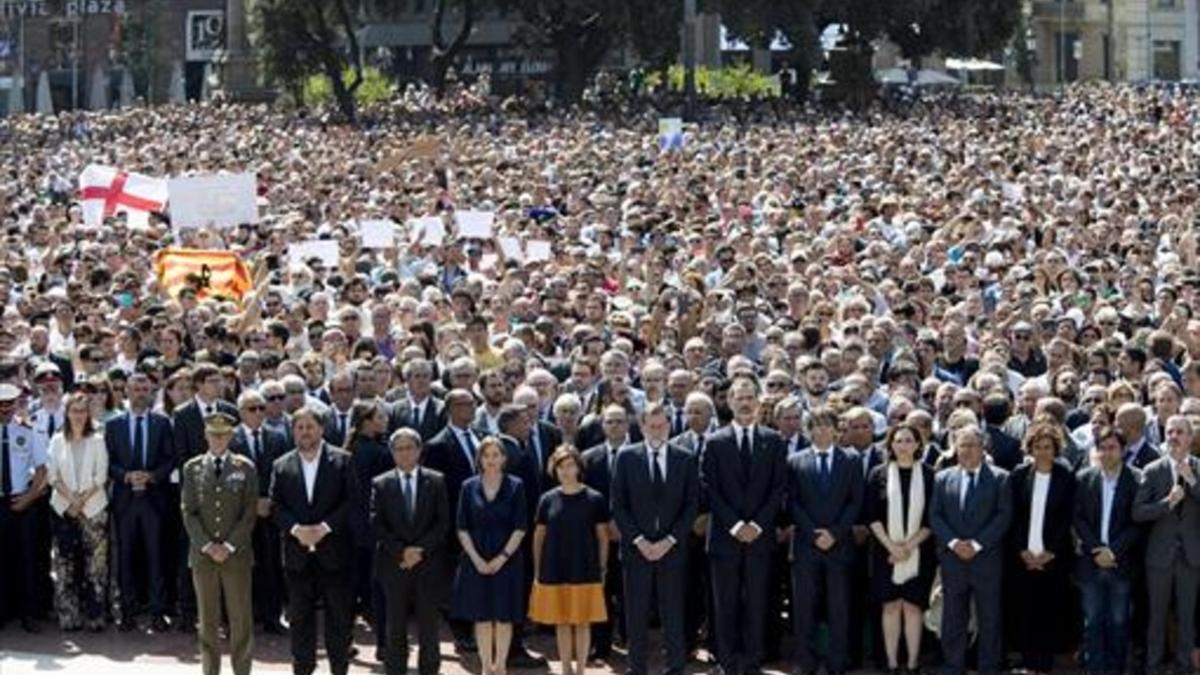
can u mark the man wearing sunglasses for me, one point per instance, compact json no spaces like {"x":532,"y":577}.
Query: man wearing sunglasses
{"x":262,"y":446}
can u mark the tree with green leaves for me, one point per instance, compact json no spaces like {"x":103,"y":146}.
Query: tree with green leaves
{"x":298,"y":39}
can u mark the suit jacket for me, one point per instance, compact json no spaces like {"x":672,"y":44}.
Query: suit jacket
{"x":732,"y":498}
{"x":1123,"y":533}
{"x":432,"y":422}
{"x":875,"y":456}
{"x":642,"y":509}
{"x":836,"y":508}
{"x":1056,"y":522}
{"x":160,"y":456}
{"x":331,"y":434}
{"x":523,"y":465}
{"x":219,"y":510}
{"x":690,"y":441}
{"x":274,"y":447}
{"x":1146,"y":454}
{"x":1168,"y":525}
{"x":335,"y":494}
{"x":1004,"y":448}
{"x":591,"y":431}
{"x":986,"y":519}
{"x":189,"y":429}
{"x":446,"y":455}
{"x":597,"y":473}
{"x":394,"y":529}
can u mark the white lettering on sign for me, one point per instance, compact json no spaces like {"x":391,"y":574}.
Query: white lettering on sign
{"x":75,"y":8}
{"x":18,"y":8}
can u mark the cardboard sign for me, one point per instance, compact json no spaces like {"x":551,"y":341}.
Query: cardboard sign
{"x":537,"y":250}
{"x":377,"y":233}
{"x":326,"y":249}
{"x":670,"y":133}
{"x":421,"y":147}
{"x":430,"y":231}
{"x":475,"y":224}
{"x":213,"y":201}
{"x":511,"y":246}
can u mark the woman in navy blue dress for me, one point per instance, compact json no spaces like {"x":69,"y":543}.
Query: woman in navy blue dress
{"x":489,"y":588}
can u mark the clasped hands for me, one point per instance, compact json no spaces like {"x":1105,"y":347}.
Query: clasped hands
{"x":654,"y":551}
{"x":219,"y":552}
{"x":310,"y":535}
{"x":410,"y":557}
{"x":1036,"y":561}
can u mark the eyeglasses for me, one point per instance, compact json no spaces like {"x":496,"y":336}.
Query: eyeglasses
{"x":254,"y":407}
{"x":275,"y":398}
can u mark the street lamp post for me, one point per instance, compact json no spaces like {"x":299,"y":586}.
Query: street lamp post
{"x":689,"y":59}
{"x":1062,"y":44}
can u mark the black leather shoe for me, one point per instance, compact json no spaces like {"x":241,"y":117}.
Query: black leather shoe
{"x":30,"y":626}
{"x":465,"y":645}
{"x":523,"y":659}
{"x":160,"y":625}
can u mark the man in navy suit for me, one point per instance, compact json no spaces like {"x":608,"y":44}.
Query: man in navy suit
{"x":655,"y":495}
{"x":141,"y":451}
{"x":598,"y":465}
{"x":451,"y":452}
{"x":313,"y":492}
{"x":858,"y":437}
{"x":1108,"y":546}
{"x":419,"y":409}
{"x":970,"y":514}
{"x":262,"y":446}
{"x":1004,"y":448}
{"x":824,"y":495}
{"x":742,"y":473}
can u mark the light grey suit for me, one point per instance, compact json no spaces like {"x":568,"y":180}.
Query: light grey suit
{"x":1172,"y":558}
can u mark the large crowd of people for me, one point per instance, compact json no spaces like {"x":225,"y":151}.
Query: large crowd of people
{"x":889,"y":391}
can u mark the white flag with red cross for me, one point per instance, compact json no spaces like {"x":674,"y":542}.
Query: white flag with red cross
{"x":106,"y":191}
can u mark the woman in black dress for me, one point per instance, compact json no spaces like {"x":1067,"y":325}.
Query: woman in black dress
{"x":489,"y":588}
{"x":367,"y":443}
{"x":570,"y":555}
{"x":899,"y":493}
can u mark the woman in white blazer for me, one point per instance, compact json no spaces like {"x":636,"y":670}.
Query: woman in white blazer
{"x":78,"y":476}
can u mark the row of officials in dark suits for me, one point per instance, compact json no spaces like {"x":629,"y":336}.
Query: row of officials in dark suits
{"x":274,"y":513}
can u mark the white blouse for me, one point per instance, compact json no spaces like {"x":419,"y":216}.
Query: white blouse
{"x":79,"y":469}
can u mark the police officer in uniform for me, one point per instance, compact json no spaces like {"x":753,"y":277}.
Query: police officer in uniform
{"x":22,"y":481}
{"x":220,"y":493}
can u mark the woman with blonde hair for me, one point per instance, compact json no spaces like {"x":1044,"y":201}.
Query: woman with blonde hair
{"x":78,"y":474}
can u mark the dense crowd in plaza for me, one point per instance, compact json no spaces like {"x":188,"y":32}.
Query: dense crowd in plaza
{"x":899,"y":390}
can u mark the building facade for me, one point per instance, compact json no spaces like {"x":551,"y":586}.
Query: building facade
{"x":1125,"y":41}
{"x":85,"y":45}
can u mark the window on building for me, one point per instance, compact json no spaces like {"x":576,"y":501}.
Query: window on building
{"x":1166,"y":60}
{"x":1066,"y":57}
{"x":1166,"y":4}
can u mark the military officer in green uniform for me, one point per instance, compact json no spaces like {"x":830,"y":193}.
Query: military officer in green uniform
{"x":220,"y":493}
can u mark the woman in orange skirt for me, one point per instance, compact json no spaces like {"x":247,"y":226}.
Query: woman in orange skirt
{"x":570,"y":551}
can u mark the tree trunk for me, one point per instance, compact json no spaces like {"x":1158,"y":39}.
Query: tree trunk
{"x":343,"y":95}
{"x":445,"y":54}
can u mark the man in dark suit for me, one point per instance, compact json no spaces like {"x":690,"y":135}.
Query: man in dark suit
{"x":419,"y":409}
{"x":598,"y":466}
{"x":824,"y":494}
{"x":699,"y":413}
{"x":1139,"y":452}
{"x":410,"y":520}
{"x":451,"y":452}
{"x":1107,"y":562}
{"x":313,"y":491}
{"x":261,"y":445}
{"x":141,"y":452}
{"x":743,"y":472}
{"x":858,"y":437}
{"x":341,"y":407}
{"x":1168,"y":500}
{"x":190,"y":442}
{"x":1004,"y":449}
{"x":655,"y":495}
{"x":970,"y":514}
{"x":544,"y":438}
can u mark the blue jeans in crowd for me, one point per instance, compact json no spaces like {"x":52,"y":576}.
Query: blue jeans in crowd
{"x":1106,"y":598}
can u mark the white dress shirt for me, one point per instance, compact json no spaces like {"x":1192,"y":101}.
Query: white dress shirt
{"x":310,"y":473}
{"x":1108,"y":495}
{"x":1037,"y":513}
{"x":409,"y":478}
{"x":737,"y":439}
{"x":659,"y":455}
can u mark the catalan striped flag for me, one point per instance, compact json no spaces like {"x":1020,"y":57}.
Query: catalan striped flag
{"x":211,"y":273}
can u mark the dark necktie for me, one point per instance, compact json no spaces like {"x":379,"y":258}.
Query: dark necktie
{"x":218,"y":462}
{"x":825,"y":470}
{"x":656,"y":474}
{"x":469,"y":444}
{"x":970,"y":490}
{"x":744,"y":452}
{"x":50,"y":426}
{"x":409,"y":508}
{"x":678,"y":426}
{"x":257,"y":445}
{"x":139,"y":443}
{"x":416,"y":416}
{"x":6,"y":482}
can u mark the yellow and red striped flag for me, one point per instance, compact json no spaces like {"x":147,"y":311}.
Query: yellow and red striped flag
{"x":211,"y":273}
